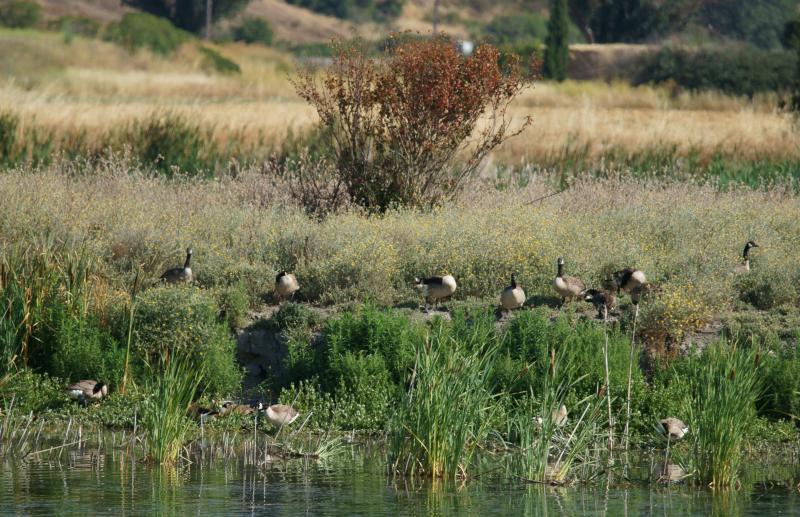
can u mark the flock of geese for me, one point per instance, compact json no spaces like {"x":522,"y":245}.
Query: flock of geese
{"x":435,"y":289}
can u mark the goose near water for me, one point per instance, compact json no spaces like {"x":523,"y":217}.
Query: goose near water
{"x":179,"y":274}
{"x":87,"y":390}
{"x":281,"y":414}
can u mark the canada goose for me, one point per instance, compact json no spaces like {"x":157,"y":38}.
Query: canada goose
{"x":230,"y":407}
{"x":643,"y":291}
{"x":285,"y":286}
{"x":435,"y":288}
{"x":672,"y":428}
{"x":628,"y":279}
{"x":512,"y":297}
{"x":280,"y":414}
{"x":744,"y":267}
{"x":201,"y":413}
{"x":179,"y":274}
{"x":604,"y":301}
{"x":558,"y":416}
{"x":568,"y":287}
{"x":88,"y":390}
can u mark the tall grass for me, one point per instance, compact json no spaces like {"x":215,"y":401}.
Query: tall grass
{"x":166,"y":425}
{"x":549,"y":452}
{"x":445,"y":414}
{"x":724,"y":389}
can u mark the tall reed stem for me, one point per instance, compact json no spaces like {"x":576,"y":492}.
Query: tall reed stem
{"x":131,"y":312}
{"x":608,"y":391}
{"x":630,"y":380}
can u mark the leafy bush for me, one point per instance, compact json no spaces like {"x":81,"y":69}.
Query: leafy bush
{"x":32,"y":392}
{"x":188,"y":15}
{"x":781,"y":384}
{"x":80,"y":25}
{"x":359,"y":9}
{"x":78,"y":349}
{"x":213,"y":60}
{"x":184,"y":319}
{"x":233,"y":304}
{"x":20,"y":14}
{"x":168,"y":142}
{"x":142,"y":30}
{"x":736,"y":71}
{"x":400,"y":122}
{"x":768,"y":289}
{"x":253,"y":30}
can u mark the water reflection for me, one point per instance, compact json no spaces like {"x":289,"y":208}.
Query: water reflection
{"x":93,"y":481}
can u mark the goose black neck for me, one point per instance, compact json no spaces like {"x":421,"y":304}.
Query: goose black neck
{"x":513,"y":281}
{"x":560,"y":269}
{"x":746,"y":251}
{"x":188,"y":259}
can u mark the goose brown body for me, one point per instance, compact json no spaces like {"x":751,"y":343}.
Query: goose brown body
{"x":281,"y":414}
{"x":87,"y":390}
{"x":568,"y":287}
{"x":629,"y":279}
{"x":603,"y":300}
{"x":436,"y":288}
{"x":285,"y":285}
{"x":179,"y":275}
{"x":673,"y":428}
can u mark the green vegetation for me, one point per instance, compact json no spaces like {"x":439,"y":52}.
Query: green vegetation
{"x":736,"y":71}
{"x":556,"y":54}
{"x":165,"y":420}
{"x":215,"y":61}
{"x":189,"y":15}
{"x":354,"y":9}
{"x":142,"y":30}
{"x":253,"y":30}
{"x":20,"y":14}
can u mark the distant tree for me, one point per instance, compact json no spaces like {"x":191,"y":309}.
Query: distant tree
{"x":796,"y":90}
{"x":253,"y":30}
{"x":189,"y":15}
{"x":606,"y":21}
{"x":20,"y":14}
{"x":791,"y":35}
{"x":760,"y":22}
{"x":556,"y":55}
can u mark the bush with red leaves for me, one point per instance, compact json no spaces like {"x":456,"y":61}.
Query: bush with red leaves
{"x":409,"y":127}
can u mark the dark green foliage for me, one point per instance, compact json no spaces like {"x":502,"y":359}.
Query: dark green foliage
{"x":768,"y":291}
{"x":736,"y":71}
{"x":518,"y":29}
{"x":759,"y":22}
{"x":32,"y":392}
{"x":292,"y":315}
{"x":253,"y":30}
{"x":76,"y":349}
{"x":790,"y":39}
{"x":556,"y":55}
{"x":796,"y":85}
{"x":213,"y":60}
{"x":184,"y":320}
{"x":233,"y":304}
{"x":20,"y":14}
{"x":189,"y":15}
{"x":142,"y":30}
{"x":629,"y":20}
{"x":780,"y":373}
{"x":76,"y":25}
{"x":357,"y":9}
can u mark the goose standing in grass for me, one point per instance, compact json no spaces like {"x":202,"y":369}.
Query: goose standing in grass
{"x":671,"y":428}
{"x":285,"y":286}
{"x":558,"y":417}
{"x":629,"y":279}
{"x":87,"y":390}
{"x":568,"y":287}
{"x":744,"y":267}
{"x":281,"y":414}
{"x":604,"y":301}
{"x":179,"y":274}
{"x":512,"y":297}
{"x":435,"y":288}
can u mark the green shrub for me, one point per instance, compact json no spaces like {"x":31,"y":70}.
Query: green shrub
{"x":20,"y":14}
{"x":365,"y":392}
{"x":767,"y":289}
{"x":214,"y":61}
{"x":780,"y":374}
{"x":78,"y":349}
{"x":142,"y":30}
{"x":233,"y":304}
{"x":76,"y":25}
{"x":184,"y":319}
{"x":732,"y":70}
{"x":253,"y":30}
{"x":168,"y":142}
{"x":33,"y":392}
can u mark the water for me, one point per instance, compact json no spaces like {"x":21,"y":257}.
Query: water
{"x":89,"y":482}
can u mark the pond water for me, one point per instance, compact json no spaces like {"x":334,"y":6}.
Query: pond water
{"x":89,"y":482}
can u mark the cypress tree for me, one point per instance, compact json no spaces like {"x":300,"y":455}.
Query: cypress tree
{"x":556,"y":55}
{"x":796,"y":89}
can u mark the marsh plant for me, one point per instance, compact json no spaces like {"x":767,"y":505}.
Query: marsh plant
{"x":173,"y":387}
{"x":553,"y":445}
{"x":724,"y":387}
{"x":445,"y":414}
